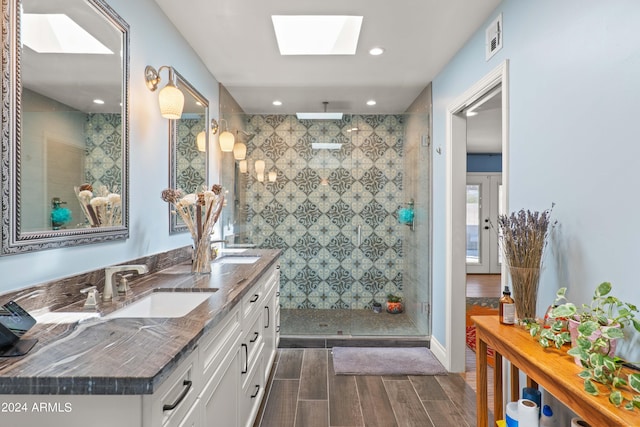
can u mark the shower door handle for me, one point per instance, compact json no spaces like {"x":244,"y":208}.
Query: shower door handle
{"x":359,"y":235}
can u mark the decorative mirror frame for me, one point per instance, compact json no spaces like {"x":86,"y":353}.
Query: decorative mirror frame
{"x":183,"y":84}
{"x":13,"y":240}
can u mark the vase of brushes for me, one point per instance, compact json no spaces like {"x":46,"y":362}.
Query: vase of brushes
{"x":201,"y":260}
{"x":200,"y":212}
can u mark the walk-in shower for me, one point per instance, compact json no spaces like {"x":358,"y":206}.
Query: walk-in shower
{"x":328,"y":197}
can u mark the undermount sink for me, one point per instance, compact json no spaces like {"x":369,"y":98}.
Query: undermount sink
{"x":162,"y":304}
{"x":237,"y":259}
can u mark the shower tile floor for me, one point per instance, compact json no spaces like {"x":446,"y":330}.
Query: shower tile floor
{"x":294,"y":322}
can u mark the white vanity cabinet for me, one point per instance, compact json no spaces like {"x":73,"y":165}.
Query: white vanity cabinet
{"x":238,"y":355}
{"x":221,"y":382}
{"x":220,"y":352}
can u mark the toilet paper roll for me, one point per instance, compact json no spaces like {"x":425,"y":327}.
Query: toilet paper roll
{"x":533,"y":394}
{"x":512,"y":414}
{"x":578,"y":422}
{"x":527,"y":413}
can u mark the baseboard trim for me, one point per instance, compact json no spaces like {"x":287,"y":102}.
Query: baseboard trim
{"x":440,"y":352}
{"x":330,"y":342}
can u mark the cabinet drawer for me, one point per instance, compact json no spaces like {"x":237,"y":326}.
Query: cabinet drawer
{"x":253,"y":392}
{"x":252,"y":301}
{"x":254,"y":336}
{"x":218,"y":342}
{"x":177,"y":394}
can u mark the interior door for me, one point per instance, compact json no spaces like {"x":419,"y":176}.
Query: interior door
{"x":483,"y":206}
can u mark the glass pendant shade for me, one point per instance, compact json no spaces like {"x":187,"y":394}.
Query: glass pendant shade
{"x":273,"y":175}
{"x":260,"y":167}
{"x":239,"y":151}
{"x":201,"y":141}
{"x":171,"y":101}
{"x":243,"y":166}
{"x":260,"y":177}
{"x":226,"y":141}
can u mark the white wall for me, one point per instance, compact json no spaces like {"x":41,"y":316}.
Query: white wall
{"x":574,"y":98}
{"x":154,"y":41}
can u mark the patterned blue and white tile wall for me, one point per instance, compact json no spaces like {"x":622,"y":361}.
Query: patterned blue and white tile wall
{"x":319,"y":201}
{"x":103,"y":162}
{"x":191,"y":163}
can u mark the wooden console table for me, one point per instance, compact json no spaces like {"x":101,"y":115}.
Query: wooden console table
{"x":552,"y":369}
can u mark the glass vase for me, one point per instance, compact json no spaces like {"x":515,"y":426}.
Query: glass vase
{"x":201,"y":262}
{"x":524,"y":281}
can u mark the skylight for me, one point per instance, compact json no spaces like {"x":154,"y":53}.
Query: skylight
{"x":319,"y":116}
{"x":317,"y":34}
{"x":57,"y":33}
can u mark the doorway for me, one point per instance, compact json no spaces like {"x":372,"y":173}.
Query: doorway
{"x":456,"y":179}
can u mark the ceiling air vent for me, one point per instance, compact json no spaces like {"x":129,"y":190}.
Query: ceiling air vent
{"x":493,"y":40}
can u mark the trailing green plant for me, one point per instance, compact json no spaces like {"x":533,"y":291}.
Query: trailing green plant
{"x":393,"y":298}
{"x":600,"y":323}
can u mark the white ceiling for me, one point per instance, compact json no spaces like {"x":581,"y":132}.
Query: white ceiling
{"x":484,"y":131}
{"x":236,"y":41}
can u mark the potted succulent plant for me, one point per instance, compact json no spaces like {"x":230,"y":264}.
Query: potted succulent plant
{"x":595,"y":327}
{"x":394,"y":304}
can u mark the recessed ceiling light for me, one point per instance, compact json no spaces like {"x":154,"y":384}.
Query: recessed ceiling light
{"x":98,"y":101}
{"x":376,"y":51}
{"x":57,"y":33}
{"x":371,"y":102}
{"x":317,"y":34}
{"x":277,"y":103}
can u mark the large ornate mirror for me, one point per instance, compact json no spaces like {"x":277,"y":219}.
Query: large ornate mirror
{"x":188,"y":147}
{"x":65,"y":75}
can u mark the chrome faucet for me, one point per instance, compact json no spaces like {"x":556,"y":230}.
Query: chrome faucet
{"x":214,"y":250}
{"x":108,"y":292}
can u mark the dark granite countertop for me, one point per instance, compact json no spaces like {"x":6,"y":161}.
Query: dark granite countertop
{"x":97,"y":355}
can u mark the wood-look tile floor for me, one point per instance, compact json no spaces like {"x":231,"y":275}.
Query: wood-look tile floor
{"x":305,"y":392}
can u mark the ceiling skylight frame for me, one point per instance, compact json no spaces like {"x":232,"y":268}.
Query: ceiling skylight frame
{"x":58,"y":33}
{"x":317,"y":34}
{"x":319,"y":116}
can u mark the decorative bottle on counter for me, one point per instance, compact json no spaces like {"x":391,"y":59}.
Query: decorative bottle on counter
{"x":59,"y":215}
{"x":507,"y":309}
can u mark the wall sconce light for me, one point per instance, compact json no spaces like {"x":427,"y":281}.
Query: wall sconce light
{"x":170,"y":98}
{"x":273,"y":175}
{"x":243,"y":166}
{"x":201,"y":141}
{"x":226,"y":139}
{"x":214,"y":126}
{"x":259,"y":165}
{"x":239,"y":151}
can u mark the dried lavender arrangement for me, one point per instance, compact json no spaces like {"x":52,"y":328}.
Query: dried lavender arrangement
{"x":523,"y":238}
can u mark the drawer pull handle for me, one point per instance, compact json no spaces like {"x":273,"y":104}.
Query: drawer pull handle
{"x":278,"y":328}
{"x":180,"y":398}
{"x":255,"y":298}
{"x":268,"y":317}
{"x":253,"y":396}
{"x":246,"y":359}
{"x":255,"y":337}
{"x":278,"y":294}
